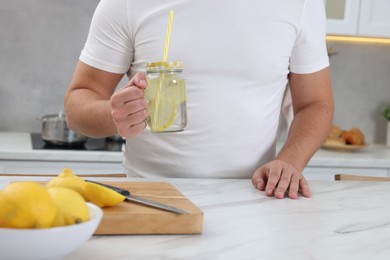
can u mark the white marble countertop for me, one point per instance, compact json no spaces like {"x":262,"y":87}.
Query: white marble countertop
{"x":343,"y":220}
{"x":17,"y":146}
{"x":373,"y":156}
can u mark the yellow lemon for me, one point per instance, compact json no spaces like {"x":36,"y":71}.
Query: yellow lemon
{"x":102,"y":196}
{"x":161,"y":114}
{"x":176,"y":91}
{"x":167,"y":87}
{"x":67,"y":179}
{"x":26,"y":205}
{"x":9,"y":212}
{"x":71,"y":206}
{"x":164,"y":95}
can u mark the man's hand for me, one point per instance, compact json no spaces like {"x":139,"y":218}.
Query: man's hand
{"x":278,"y":178}
{"x":313,"y":107}
{"x":128,"y":107}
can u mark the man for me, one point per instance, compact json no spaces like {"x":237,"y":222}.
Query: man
{"x":238,"y":58}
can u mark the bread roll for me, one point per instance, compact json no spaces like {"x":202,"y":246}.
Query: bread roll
{"x":353,"y":136}
{"x":335,"y":141}
{"x":335,"y":132}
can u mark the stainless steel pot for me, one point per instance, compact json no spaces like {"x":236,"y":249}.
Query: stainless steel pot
{"x":55,"y":131}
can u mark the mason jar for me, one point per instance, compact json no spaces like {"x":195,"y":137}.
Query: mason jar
{"x":166,"y":95}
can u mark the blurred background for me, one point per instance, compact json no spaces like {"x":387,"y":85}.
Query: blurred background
{"x":40,"y":42}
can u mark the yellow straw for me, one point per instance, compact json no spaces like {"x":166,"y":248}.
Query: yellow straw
{"x":166,"y":47}
{"x":165,"y":59}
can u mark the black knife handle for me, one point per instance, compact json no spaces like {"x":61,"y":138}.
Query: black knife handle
{"x":119,"y":190}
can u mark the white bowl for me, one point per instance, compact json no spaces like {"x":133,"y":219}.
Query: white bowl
{"x":48,"y":243}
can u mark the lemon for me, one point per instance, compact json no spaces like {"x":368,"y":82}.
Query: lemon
{"x":164,"y":95}
{"x":169,"y":88}
{"x":26,"y":205}
{"x":10,"y":212}
{"x":96,"y":194}
{"x":67,"y":179}
{"x":102,"y":196}
{"x":71,"y":206}
{"x":151,"y":91}
{"x":163,"y":117}
{"x":176,"y":91}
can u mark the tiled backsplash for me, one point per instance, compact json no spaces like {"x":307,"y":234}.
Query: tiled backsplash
{"x":40,"y":42}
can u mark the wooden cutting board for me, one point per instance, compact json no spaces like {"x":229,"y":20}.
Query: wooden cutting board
{"x":132,"y":218}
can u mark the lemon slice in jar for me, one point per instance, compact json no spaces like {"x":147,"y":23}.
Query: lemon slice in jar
{"x":176,"y":90}
{"x":160,"y":119}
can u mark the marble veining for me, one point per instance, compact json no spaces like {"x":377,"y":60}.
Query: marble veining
{"x":343,"y":220}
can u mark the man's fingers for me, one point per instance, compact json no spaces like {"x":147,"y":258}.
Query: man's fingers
{"x":259,"y":179}
{"x":304,"y":188}
{"x":133,"y":129}
{"x":138,"y":80}
{"x":132,"y":125}
{"x":128,"y":112}
{"x":126,"y":109}
{"x":294,"y":187}
{"x":124,"y":120}
{"x":273,"y":179}
{"x":126,"y":95}
{"x":283,"y":184}
{"x":279,"y":179}
{"x":259,"y":182}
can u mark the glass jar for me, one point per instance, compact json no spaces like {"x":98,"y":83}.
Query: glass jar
{"x":166,"y":95}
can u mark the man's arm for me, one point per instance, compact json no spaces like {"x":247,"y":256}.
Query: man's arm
{"x":94,"y":110}
{"x":313,"y":113}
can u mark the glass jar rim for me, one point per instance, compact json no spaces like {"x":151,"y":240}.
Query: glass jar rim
{"x":164,"y":65}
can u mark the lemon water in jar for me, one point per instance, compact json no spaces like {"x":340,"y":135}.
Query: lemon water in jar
{"x":166,"y":95}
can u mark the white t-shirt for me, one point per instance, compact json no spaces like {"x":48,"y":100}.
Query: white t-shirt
{"x":236,"y":57}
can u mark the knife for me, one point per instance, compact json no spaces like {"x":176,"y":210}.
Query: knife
{"x":141,"y":200}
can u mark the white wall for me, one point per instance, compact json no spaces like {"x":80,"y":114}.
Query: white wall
{"x":361,"y":84}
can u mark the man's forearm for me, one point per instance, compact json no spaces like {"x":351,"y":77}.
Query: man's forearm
{"x":307,"y":132}
{"x":88,"y":114}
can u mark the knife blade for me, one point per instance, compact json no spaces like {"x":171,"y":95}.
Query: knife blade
{"x":141,"y":200}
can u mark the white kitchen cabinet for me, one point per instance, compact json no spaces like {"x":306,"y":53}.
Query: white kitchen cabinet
{"x":374,"y":18}
{"x":50,"y":167}
{"x":328,"y":173}
{"x":358,"y":17}
{"x":342,"y":16}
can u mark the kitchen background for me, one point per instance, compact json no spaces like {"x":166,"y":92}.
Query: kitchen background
{"x":40,"y":42}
